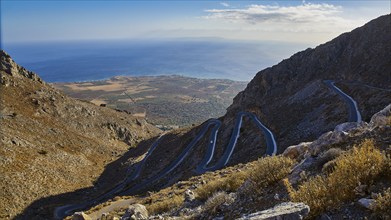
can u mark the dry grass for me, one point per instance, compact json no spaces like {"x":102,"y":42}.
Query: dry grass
{"x":213,"y":204}
{"x":264,"y":172}
{"x":382,"y":206}
{"x":227,"y":184}
{"x":165,"y":205}
{"x":359,"y":166}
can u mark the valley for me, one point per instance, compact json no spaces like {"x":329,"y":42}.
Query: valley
{"x":165,"y":101}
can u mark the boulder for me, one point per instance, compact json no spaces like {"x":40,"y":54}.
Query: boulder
{"x":80,"y":216}
{"x":381,"y":118}
{"x":296,"y":151}
{"x":135,"y":212}
{"x":283,"y":211}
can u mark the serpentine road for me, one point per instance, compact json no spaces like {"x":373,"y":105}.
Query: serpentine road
{"x":354,"y":113}
{"x":271,"y":149}
{"x":63,"y":211}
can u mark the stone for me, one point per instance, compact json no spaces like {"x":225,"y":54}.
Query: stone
{"x":296,"y":151}
{"x":297,"y":171}
{"x":80,"y":216}
{"x":381,"y":118}
{"x":189,"y":196}
{"x":367,"y":203}
{"x":136,"y":212}
{"x":283,"y":211}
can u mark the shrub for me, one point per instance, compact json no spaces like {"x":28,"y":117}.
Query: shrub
{"x":165,"y":205}
{"x":268,"y":171}
{"x":361,"y":165}
{"x":382,"y":206}
{"x":213,"y":204}
{"x":228,"y":184}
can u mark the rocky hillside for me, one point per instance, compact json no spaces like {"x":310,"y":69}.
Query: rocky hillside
{"x":344,"y":174}
{"x":52,"y":144}
{"x":293,"y":101}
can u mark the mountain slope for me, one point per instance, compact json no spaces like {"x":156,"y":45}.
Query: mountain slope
{"x":292,"y":98}
{"x":293,"y":101}
{"x":52,"y":144}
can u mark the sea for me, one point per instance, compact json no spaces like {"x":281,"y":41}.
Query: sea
{"x":76,"y":61}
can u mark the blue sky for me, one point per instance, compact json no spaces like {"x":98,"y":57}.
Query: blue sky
{"x":310,"y":22}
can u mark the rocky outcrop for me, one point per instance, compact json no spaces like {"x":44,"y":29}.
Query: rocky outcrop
{"x":297,"y":151}
{"x":9,"y":66}
{"x":381,"y":118}
{"x":283,"y":211}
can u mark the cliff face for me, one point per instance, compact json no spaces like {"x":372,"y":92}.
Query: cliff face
{"x":52,"y":144}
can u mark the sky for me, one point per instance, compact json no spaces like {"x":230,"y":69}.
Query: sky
{"x":295,"y":21}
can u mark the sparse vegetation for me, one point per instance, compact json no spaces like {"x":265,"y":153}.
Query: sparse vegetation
{"x":266,"y":171}
{"x":213,"y":204}
{"x":227,"y":184}
{"x":382,"y":206}
{"x":165,"y":205}
{"x":361,"y":165}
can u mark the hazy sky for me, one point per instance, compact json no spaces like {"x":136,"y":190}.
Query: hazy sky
{"x":310,"y":22}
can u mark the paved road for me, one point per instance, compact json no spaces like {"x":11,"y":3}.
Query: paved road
{"x":66,"y":210}
{"x":354,"y":113}
{"x":270,"y":143}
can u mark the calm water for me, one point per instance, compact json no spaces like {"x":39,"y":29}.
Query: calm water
{"x":94,"y":60}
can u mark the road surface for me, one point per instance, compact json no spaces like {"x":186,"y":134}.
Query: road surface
{"x":63,"y":211}
{"x":354,"y":113}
